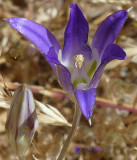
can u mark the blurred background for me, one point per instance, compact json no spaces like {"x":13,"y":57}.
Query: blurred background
{"x":21,"y":62}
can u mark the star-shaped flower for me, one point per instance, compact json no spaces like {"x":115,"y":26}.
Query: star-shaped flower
{"x":77,"y":66}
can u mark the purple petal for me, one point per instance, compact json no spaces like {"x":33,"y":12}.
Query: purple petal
{"x":52,"y":56}
{"x":61,"y":71}
{"x":52,"y":59}
{"x":76,"y":36}
{"x":86,"y":101}
{"x":64,"y":78}
{"x":36,"y":33}
{"x":112,"y":52}
{"x":108,"y":30}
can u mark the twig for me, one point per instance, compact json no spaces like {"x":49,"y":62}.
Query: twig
{"x":111,"y":104}
{"x":58,"y":93}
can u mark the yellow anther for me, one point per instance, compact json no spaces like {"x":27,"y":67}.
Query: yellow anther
{"x":79,"y":60}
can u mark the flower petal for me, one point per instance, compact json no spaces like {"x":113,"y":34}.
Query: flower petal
{"x":76,"y":36}
{"x":62,"y":73}
{"x":86,"y":101}
{"x":52,"y":59}
{"x":108,"y":30}
{"x":112,"y":52}
{"x":52,"y":56}
{"x":36,"y":33}
{"x":22,"y":120}
{"x":64,"y":78}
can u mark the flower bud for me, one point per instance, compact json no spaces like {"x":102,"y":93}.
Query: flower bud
{"x":22,"y":120}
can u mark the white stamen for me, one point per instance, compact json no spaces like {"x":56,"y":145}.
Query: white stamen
{"x":128,"y":10}
{"x":79,"y":60}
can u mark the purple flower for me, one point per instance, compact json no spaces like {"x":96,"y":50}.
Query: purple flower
{"x":78,"y":66}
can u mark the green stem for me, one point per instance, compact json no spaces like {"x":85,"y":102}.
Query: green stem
{"x":71,"y":133}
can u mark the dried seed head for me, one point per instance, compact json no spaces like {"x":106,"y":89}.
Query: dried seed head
{"x":22,"y":120}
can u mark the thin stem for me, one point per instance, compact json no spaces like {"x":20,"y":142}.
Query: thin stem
{"x":76,"y":119}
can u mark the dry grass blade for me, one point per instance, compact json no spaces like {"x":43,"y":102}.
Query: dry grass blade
{"x":50,"y":115}
{"x":134,"y":59}
{"x":4,"y":104}
{"x":6,"y":92}
{"x":5,"y":95}
{"x":4,"y":99}
{"x":47,"y":120}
